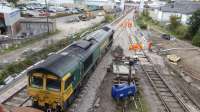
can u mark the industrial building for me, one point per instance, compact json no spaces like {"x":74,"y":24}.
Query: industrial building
{"x":9,"y":20}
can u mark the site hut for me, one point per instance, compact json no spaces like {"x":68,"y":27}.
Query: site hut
{"x":9,"y":20}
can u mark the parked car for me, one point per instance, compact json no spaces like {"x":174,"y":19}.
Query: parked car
{"x":52,"y":10}
{"x":23,"y":10}
{"x":57,"y":9}
{"x":28,"y":14}
{"x":30,"y":7}
{"x":44,"y":14}
{"x":68,"y":11}
{"x":60,"y":9}
{"x":79,"y":10}
{"x":73,"y":10}
{"x":165,"y":36}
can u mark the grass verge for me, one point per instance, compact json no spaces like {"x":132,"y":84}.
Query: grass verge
{"x":27,"y":42}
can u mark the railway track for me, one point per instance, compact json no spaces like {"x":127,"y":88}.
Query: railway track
{"x":172,"y":100}
{"x":18,"y":99}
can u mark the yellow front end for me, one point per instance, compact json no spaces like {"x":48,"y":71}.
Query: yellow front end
{"x":45,"y":90}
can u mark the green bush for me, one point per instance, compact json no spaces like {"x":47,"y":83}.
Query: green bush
{"x":141,"y":24}
{"x":194,"y":24}
{"x":181,"y":31}
{"x":174,"y":23}
{"x":109,"y":18}
{"x":196,"y":39}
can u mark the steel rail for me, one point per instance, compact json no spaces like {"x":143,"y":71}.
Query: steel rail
{"x":167,"y":107}
{"x":12,"y":97}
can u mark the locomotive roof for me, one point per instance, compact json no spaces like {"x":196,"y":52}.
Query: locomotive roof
{"x":60,"y":64}
{"x":100,"y":35}
{"x":57,"y":64}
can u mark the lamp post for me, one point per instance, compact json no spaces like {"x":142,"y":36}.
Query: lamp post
{"x":47,"y":15}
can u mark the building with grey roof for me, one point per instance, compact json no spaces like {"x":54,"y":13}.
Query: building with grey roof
{"x":9,"y":20}
{"x":183,"y":9}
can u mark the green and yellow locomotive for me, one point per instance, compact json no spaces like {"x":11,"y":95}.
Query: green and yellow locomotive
{"x":54,"y":83}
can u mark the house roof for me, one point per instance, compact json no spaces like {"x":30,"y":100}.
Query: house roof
{"x":184,"y":7}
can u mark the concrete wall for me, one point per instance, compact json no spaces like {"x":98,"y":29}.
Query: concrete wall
{"x":37,"y":27}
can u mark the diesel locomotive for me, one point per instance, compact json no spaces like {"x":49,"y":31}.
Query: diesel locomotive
{"x":54,"y":83}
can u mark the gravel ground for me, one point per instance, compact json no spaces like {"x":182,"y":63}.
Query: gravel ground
{"x":106,"y":102}
{"x":186,"y":72}
{"x":190,"y":61}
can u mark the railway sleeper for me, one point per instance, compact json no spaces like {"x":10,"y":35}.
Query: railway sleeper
{"x":153,"y":74}
{"x":163,"y":90}
{"x":161,"y":109}
{"x":177,"y":110}
{"x":12,"y":104}
{"x":166,"y":94}
{"x":160,"y":86}
{"x":156,"y":79}
{"x":18,"y":99}
{"x":160,"y":82}
{"x":174,"y":105}
{"x":169,"y":99}
{"x":22,"y":94}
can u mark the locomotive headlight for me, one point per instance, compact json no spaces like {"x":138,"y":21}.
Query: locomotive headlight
{"x":35,"y":98}
{"x":58,"y":104}
{"x":58,"y":107}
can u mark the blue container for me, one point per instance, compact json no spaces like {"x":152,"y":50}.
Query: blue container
{"x":121,"y":91}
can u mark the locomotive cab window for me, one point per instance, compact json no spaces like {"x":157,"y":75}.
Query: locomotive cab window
{"x":53,"y":84}
{"x":36,"y":81}
{"x":68,"y":82}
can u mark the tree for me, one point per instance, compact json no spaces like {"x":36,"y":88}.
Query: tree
{"x":194,"y":24}
{"x":13,"y":1}
{"x":174,"y":22}
{"x":145,"y":13}
{"x":196,"y":39}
